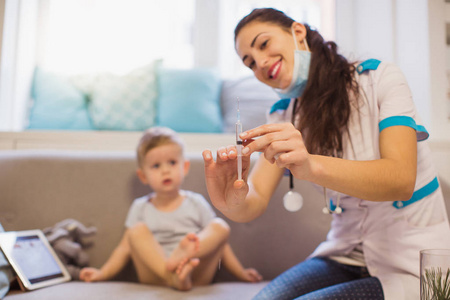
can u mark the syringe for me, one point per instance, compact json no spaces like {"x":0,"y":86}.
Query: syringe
{"x":239,"y":142}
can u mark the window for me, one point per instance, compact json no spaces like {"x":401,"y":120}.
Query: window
{"x":115,"y":35}
{"x":86,"y":36}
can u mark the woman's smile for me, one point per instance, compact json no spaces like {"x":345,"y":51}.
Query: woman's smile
{"x":275,"y":70}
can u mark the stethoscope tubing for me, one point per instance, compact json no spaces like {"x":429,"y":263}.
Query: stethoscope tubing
{"x":326,"y":209}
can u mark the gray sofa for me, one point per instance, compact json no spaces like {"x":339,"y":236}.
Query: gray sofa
{"x":42,"y":187}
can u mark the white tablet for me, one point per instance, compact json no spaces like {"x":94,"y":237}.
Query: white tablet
{"x":33,"y":259}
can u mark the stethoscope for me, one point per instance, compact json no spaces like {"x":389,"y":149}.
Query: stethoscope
{"x":293,"y":201}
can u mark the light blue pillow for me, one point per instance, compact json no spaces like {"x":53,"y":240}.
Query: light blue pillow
{"x":57,"y":104}
{"x":189,"y":100}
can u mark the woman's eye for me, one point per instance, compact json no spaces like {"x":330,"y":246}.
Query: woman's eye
{"x":251,"y":65}
{"x":263,"y":45}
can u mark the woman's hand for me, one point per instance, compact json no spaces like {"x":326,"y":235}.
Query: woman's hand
{"x":227,"y":193}
{"x":281,"y":144}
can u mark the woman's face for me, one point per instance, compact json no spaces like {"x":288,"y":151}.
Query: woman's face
{"x":268,"y":51}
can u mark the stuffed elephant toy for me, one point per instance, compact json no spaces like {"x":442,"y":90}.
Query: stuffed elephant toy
{"x":67,"y":239}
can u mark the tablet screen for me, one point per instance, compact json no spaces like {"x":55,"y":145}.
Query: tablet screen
{"x":34,"y":259}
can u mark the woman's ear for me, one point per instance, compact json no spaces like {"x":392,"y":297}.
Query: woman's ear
{"x":141,"y":176}
{"x":300,"y":33}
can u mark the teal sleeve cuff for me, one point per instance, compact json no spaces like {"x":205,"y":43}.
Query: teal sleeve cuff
{"x":421,"y":193}
{"x":422,"y":133}
{"x":280,"y":105}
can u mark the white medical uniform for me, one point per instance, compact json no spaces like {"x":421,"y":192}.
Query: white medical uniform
{"x":391,"y":233}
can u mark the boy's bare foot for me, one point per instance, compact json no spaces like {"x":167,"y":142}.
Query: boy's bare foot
{"x":186,"y":249}
{"x":182,"y":280}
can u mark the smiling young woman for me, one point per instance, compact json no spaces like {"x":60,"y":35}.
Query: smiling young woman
{"x":347,"y":127}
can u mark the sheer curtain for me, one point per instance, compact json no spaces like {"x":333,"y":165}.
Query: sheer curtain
{"x":17,"y":61}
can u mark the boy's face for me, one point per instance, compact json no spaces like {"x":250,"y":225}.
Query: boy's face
{"x":164,"y":168}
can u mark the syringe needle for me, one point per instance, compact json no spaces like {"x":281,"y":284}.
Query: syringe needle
{"x":239,"y":142}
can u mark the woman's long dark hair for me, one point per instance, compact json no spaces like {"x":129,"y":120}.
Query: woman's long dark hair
{"x":325,"y":105}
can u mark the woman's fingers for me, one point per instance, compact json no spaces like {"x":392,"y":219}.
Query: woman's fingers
{"x":259,"y":144}
{"x":232,"y":152}
{"x":273,"y":152}
{"x":226,"y":164}
{"x":207,"y":157}
{"x":247,"y":141}
{"x":262,"y":130}
{"x":270,"y":136}
{"x":222,"y":154}
{"x":226,"y":153}
{"x":280,"y":143}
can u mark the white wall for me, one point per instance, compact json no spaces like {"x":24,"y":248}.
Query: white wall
{"x":438,"y":14}
{"x":364,"y":29}
{"x":206,"y":38}
{"x":413,"y":53}
{"x":410,"y":33}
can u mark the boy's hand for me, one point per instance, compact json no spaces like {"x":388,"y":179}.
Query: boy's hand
{"x":91,"y":274}
{"x":251,"y":275}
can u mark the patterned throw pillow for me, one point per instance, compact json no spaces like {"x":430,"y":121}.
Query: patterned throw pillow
{"x":125,"y":102}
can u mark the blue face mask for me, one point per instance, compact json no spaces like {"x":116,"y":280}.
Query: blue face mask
{"x":302,"y":60}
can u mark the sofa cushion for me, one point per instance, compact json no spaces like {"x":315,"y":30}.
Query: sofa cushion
{"x":189,"y":100}
{"x":76,"y":290}
{"x":255,"y":99}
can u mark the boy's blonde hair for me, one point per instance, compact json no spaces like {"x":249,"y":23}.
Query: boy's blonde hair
{"x":155,"y":137}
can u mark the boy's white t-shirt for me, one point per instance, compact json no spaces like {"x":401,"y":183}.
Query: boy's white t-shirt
{"x":169,"y":228}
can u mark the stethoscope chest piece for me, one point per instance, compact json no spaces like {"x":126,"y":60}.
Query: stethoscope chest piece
{"x":292,"y":201}
{"x":328,"y":209}
{"x":337,"y":210}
